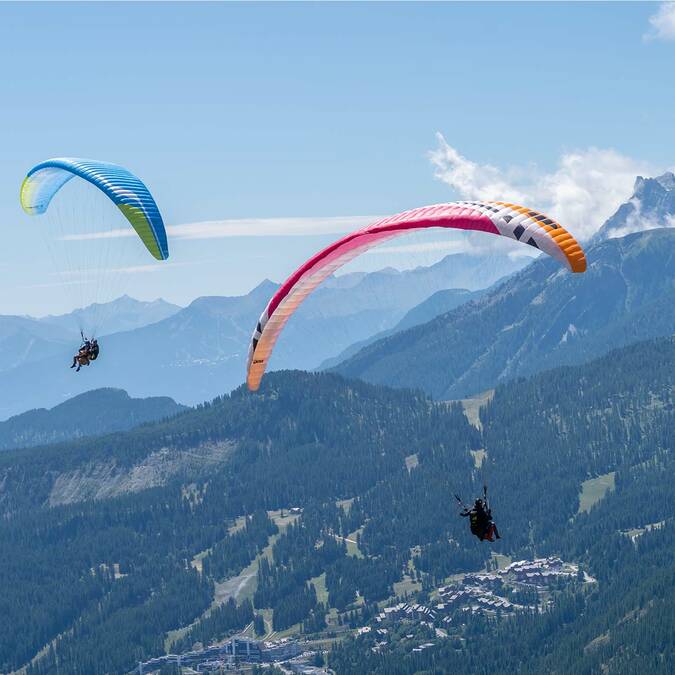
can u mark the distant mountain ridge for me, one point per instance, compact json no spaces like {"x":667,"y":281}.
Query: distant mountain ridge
{"x":439,"y":303}
{"x":540,"y":318}
{"x":94,"y":413}
{"x":200,"y":351}
{"x":123,"y":313}
{"x":24,"y":339}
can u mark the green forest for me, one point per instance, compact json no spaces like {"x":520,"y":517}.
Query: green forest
{"x":99,"y":584}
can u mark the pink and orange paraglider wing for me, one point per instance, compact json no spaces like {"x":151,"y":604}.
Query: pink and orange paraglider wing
{"x":500,"y":218}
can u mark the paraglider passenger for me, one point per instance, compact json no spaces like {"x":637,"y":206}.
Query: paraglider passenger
{"x":480,"y":520}
{"x":87,"y":353}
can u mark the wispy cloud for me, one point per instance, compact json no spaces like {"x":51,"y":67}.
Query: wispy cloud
{"x":90,"y":273}
{"x":107,"y":234}
{"x":581,"y":193}
{"x":662,"y":23}
{"x":246,"y":227}
{"x":57,"y":284}
{"x":143,"y":269}
{"x":266,"y":227}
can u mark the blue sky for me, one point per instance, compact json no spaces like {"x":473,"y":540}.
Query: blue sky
{"x":265,"y":111}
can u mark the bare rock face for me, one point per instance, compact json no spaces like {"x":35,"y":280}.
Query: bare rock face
{"x":104,"y":480}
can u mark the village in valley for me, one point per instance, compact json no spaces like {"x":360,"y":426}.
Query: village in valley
{"x":509,"y":588}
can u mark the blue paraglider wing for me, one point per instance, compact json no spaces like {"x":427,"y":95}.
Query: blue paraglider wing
{"x":125,"y":190}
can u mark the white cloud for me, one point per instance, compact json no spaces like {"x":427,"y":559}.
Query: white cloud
{"x":57,"y":284}
{"x":266,"y":227}
{"x":585,"y":189}
{"x":469,"y":179}
{"x":107,"y":234}
{"x":142,"y":269}
{"x":662,"y":24}
{"x":87,"y":273}
{"x":245,"y":227}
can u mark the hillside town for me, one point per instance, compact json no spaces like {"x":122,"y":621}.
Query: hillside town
{"x":238,"y":654}
{"x":524,"y":585}
{"x":520,"y":586}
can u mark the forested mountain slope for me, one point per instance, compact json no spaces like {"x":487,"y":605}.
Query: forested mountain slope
{"x":539,"y":318}
{"x":95,"y":413}
{"x":304,"y":438}
{"x":313,"y":441}
{"x":544,"y":436}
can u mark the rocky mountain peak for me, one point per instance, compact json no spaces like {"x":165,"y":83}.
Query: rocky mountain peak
{"x":651,"y":206}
